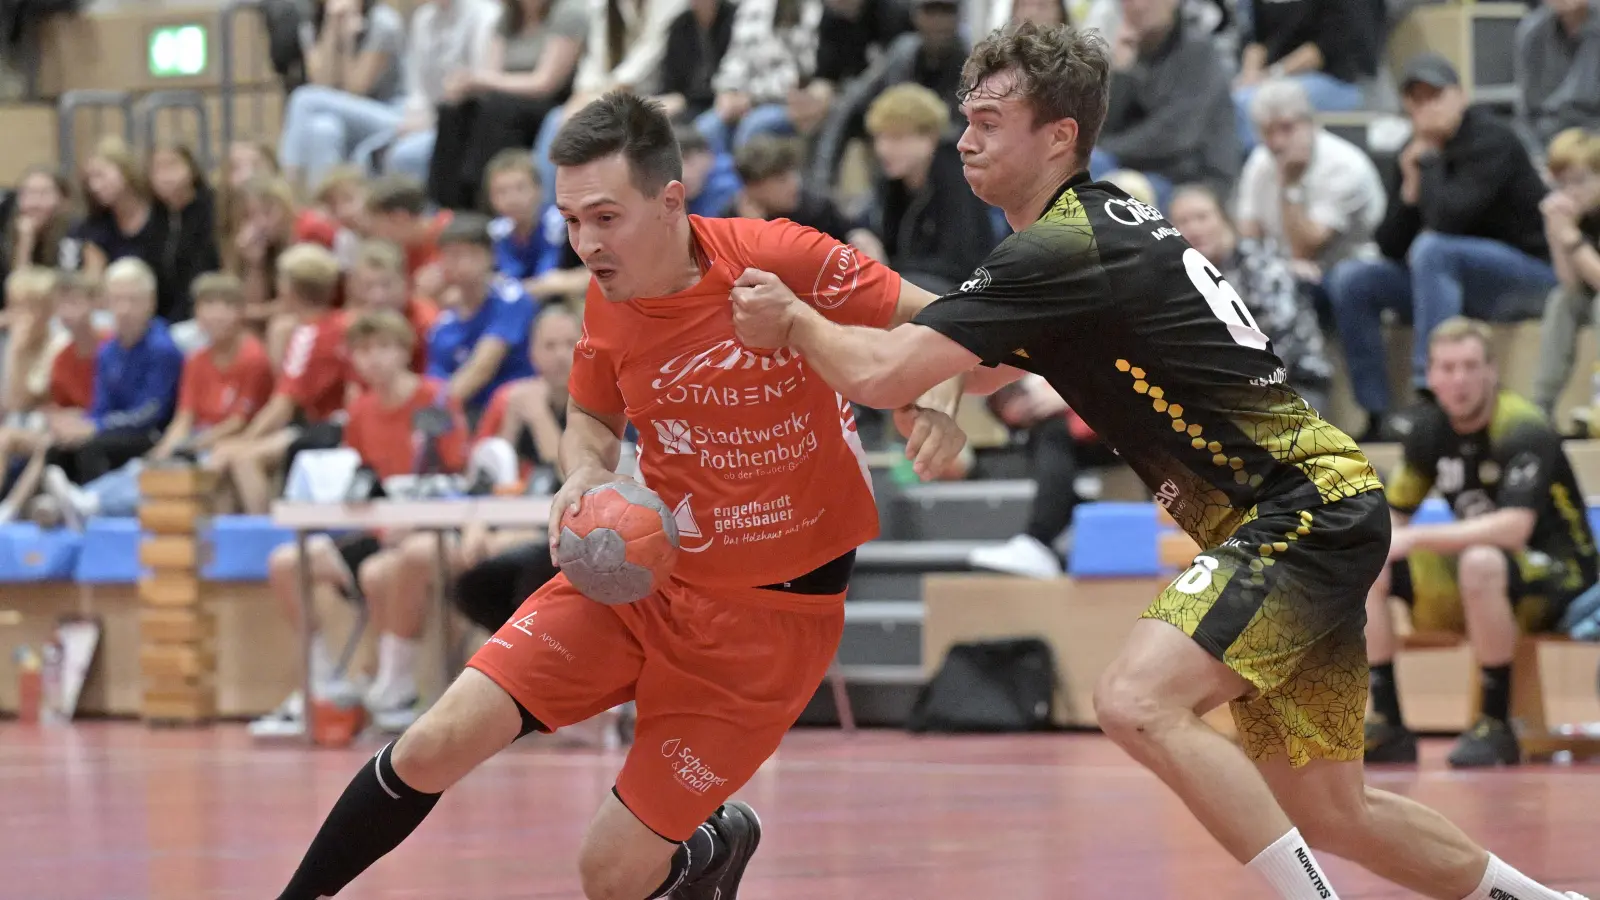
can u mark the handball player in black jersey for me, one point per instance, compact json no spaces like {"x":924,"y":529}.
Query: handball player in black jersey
{"x":1141,"y":335}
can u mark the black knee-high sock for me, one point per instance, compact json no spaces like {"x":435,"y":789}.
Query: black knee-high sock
{"x":1385,"y":696}
{"x":1497,"y":692}
{"x":375,"y":813}
{"x":691,"y":860}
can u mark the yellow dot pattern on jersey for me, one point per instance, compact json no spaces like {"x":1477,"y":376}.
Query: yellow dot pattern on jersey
{"x":1175,"y":410}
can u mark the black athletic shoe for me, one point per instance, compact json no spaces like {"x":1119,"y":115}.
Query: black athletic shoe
{"x":1488,"y":743}
{"x":1390,"y":743}
{"x":740,"y":829}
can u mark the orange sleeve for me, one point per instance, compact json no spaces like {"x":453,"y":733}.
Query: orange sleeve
{"x":495,"y":415}
{"x":843,"y":283}
{"x":593,"y":382}
{"x":257,"y":387}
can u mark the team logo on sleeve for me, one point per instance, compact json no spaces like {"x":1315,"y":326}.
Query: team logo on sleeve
{"x":980,"y":279}
{"x":836,"y":282}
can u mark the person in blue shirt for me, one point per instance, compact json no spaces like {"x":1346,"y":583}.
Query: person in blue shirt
{"x":710,"y":179}
{"x":136,"y":379}
{"x":529,"y":235}
{"x":481,"y":339}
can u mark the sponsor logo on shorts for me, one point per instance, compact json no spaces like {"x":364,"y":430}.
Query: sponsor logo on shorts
{"x":523,"y":623}
{"x":1311,"y":872}
{"x":557,"y":646}
{"x":689,"y":769}
{"x":495,"y":640}
{"x":837,"y":279}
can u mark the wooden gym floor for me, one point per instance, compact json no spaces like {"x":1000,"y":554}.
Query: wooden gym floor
{"x":112,"y":811}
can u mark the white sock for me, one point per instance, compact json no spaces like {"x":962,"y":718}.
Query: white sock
{"x":322,"y":662}
{"x":1501,"y":882}
{"x":396,"y":681}
{"x":1292,"y":871}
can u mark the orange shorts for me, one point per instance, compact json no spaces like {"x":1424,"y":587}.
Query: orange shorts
{"x":718,"y":681}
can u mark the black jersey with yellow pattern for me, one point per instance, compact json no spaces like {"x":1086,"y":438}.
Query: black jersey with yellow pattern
{"x":1517,"y":461}
{"x":1148,"y":342}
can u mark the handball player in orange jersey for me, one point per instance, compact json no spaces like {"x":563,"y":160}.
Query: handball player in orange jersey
{"x":760,"y":462}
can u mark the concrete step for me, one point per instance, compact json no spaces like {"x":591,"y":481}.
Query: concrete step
{"x":959,"y":510}
{"x":882,"y":633}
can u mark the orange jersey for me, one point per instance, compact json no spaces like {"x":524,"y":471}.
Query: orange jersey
{"x":756,"y":455}
{"x":421,"y":313}
{"x":316,"y":367}
{"x":386,"y":440}
{"x":72,"y":378}
{"x":213,"y":395}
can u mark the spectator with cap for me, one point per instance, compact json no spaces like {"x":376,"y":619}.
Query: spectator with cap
{"x":1167,"y":116}
{"x":480,"y":341}
{"x":1462,"y":233}
{"x":1317,"y":196}
{"x":1329,"y":46}
{"x":1557,"y":66}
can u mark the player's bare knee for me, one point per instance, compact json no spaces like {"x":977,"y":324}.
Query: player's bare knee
{"x":1126,"y":708}
{"x":474,"y":720}
{"x":283,"y":564}
{"x":1481,"y":569}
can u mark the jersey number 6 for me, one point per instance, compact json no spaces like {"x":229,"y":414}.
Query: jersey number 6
{"x":1223,"y":300}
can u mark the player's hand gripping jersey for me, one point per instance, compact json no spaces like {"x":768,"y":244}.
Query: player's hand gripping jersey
{"x":758,"y":457}
{"x":1145,"y":340}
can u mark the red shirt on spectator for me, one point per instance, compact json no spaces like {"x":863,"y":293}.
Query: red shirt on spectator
{"x":313,"y":226}
{"x":425,"y":253}
{"x":72,"y":378}
{"x":316,"y":367}
{"x":421,"y":313}
{"x":213,"y":395}
{"x":387,"y":442}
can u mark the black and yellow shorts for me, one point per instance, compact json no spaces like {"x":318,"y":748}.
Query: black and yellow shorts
{"x":1540,"y":585}
{"x":1283,"y":603}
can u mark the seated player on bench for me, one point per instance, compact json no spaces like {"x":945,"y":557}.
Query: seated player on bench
{"x":1519,"y":550}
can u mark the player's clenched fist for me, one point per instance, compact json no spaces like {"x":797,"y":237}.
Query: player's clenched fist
{"x":933,"y":442}
{"x":763,"y":310}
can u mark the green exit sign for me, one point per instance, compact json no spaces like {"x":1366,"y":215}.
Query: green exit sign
{"x":177,"y":51}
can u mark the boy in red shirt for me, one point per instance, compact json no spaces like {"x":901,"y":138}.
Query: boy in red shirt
{"x":377,"y":280}
{"x":311,"y":389}
{"x":72,"y":371}
{"x":381,"y":431}
{"x":397,"y":213}
{"x":760,"y":461}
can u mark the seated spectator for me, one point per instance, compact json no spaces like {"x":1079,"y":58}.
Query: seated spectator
{"x":628,"y":60}
{"x":188,"y":222}
{"x":1516,"y":555}
{"x":696,"y":42}
{"x":1263,"y":280}
{"x":934,"y":233}
{"x":337,"y":218}
{"x":527,"y":72}
{"x":363,"y":567}
{"x":481,"y":339}
{"x":265,"y":223}
{"x":530,"y":237}
{"x":1557,"y":65}
{"x":769,"y":168}
{"x":224,"y":383}
{"x":29,"y":355}
{"x":378,"y":281}
{"x":135,"y":383}
{"x":710,"y":179}
{"x":853,"y":33}
{"x":72,"y":370}
{"x":931,"y":55}
{"x":1329,"y":46}
{"x":773,"y":52}
{"x":1461,"y":233}
{"x":1317,"y":196}
{"x":311,"y":389}
{"x":1169,"y":104}
{"x":397,"y":212}
{"x":121,"y":220}
{"x":352,"y":51}
{"x":1572,"y":229}
{"x":525,"y":417}
{"x":37,"y":230}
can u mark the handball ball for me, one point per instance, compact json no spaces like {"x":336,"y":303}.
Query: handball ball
{"x":620,"y":545}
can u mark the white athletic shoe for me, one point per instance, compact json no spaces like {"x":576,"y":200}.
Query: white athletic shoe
{"x":1574,"y":895}
{"x":1022,"y":555}
{"x":287,"y":721}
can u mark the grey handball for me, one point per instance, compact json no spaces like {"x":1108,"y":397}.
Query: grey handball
{"x":597,"y":563}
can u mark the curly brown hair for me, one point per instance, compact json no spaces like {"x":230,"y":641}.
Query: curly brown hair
{"x":1061,"y":72}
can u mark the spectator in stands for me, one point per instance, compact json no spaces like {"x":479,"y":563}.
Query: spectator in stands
{"x":135,"y":382}
{"x":363,"y":567}
{"x":852,"y":33}
{"x":1168,"y":106}
{"x":1557,"y":65}
{"x":352,"y":51}
{"x":188,"y":222}
{"x":1263,"y":280}
{"x":223,"y":385}
{"x":530,"y":237}
{"x":527,"y":73}
{"x":312,"y":384}
{"x":1462,"y":233}
{"x":1572,"y":229}
{"x":397,"y":212}
{"x":29,"y":355}
{"x":37,"y":231}
{"x":378,"y":281}
{"x":72,"y":370}
{"x":933,"y":232}
{"x":1329,"y":46}
{"x":121,"y":220}
{"x":931,"y":56}
{"x":627,"y":40}
{"x":245,"y":160}
{"x":525,"y":417}
{"x":772,"y":55}
{"x":710,"y":177}
{"x":769,"y":168}
{"x":696,"y":42}
{"x":481,"y":339}
{"x":1317,"y":196}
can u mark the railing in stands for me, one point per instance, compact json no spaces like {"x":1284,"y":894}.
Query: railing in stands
{"x":98,"y":103}
{"x":228,"y":76}
{"x":147,"y":116}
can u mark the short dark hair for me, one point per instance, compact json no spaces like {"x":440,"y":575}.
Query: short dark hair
{"x":633,"y":126}
{"x":467,"y":228}
{"x":767,"y":156}
{"x":397,"y":193}
{"x":1062,"y":73}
